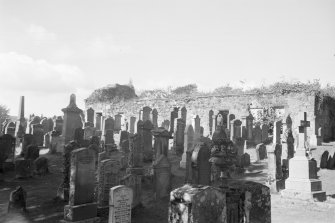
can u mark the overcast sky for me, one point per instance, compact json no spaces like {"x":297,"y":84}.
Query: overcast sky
{"x":50,"y":49}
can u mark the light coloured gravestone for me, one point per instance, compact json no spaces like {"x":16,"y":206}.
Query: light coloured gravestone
{"x":155,"y":118}
{"x":210,"y":123}
{"x":120,"y":204}
{"x":132,"y":124}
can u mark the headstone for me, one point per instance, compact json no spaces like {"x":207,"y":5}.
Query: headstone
{"x":133,"y":181}
{"x":198,"y":203}
{"x":245,"y":160}
{"x":89,"y":132}
{"x":123,"y":136}
{"x":50,"y":124}
{"x":262,"y":151}
{"x":72,"y":119}
{"x":58,"y":124}
{"x":23,"y":168}
{"x":56,"y":143}
{"x":155,"y":118}
{"x":120,"y":202}
{"x":184,"y":114}
{"x":38,"y":133}
{"x":32,"y":153}
{"x":117,"y":122}
{"x":46,"y":141}
{"x":276,"y":132}
{"x":132,"y":124}
{"x":257,"y":134}
{"x":109,"y":137}
{"x":290,"y":144}
{"x":45,"y":125}
{"x":237,"y":128}
{"x":200,"y":164}
{"x":34,"y":120}
{"x":249,"y":126}
{"x":17,"y":201}
{"x":10,"y":129}
{"x":166,"y":124}
{"x":210,"y":121}
{"x":331,"y":162}
{"x":90,"y":115}
{"x":28,"y":139}
{"x":180,"y":137}
{"x":7,"y":149}
{"x":108,"y":177}
{"x":109,"y":124}
{"x":79,"y":135}
{"x":324,"y":159}
{"x":41,"y":166}
{"x":196,"y":129}
{"x":161,"y":143}
{"x":81,"y":200}
{"x":162,"y":176}
{"x":173,"y":116}
{"x":146,"y":113}
{"x":265,"y":132}
{"x":188,"y":144}
{"x":147,"y":141}
{"x":98,"y":118}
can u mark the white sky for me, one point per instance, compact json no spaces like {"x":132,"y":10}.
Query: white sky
{"x":50,"y":49}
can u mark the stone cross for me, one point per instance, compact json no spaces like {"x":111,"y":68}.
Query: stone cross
{"x":304,"y":124}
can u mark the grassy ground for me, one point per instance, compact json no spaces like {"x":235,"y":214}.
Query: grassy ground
{"x":43,"y":207}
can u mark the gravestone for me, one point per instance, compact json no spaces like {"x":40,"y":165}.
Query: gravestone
{"x":133,"y":181}
{"x":63,"y":190}
{"x":180,"y":137}
{"x":34,"y":120}
{"x":161,"y":142}
{"x":200,"y":164}
{"x":245,"y":160}
{"x":257,"y":134}
{"x":7,"y":149}
{"x":146,"y":113}
{"x":89,"y":132}
{"x":72,"y":119}
{"x":109,"y":124}
{"x":50,"y":124}
{"x":41,"y":166}
{"x":162,"y":176}
{"x":23,"y":168}
{"x":265,"y":132}
{"x":117,"y":122}
{"x":188,"y":144}
{"x":331,"y":162}
{"x":210,"y":121}
{"x":109,"y":137}
{"x":184,"y":114}
{"x":79,"y":135}
{"x":108,"y":177}
{"x":198,"y":203}
{"x":46,"y":141}
{"x":81,"y":200}
{"x":32,"y":153}
{"x":303,"y":182}
{"x":10,"y":129}
{"x":90,"y":115}
{"x":38,"y":133}
{"x":123,"y":136}
{"x":173,"y":116}
{"x":147,"y":141}
{"x":58,"y":124}
{"x":262,"y":151}
{"x":132,"y":124}
{"x":166,"y":124}
{"x":45,"y":125}
{"x":56,"y":143}
{"x":97,"y":123}
{"x":196,"y":129}
{"x":155,"y":118}
{"x":237,"y":129}
{"x":249,"y":126}
{"x":324,"y":159}
{"x":28,"y":139}
{"x":290,"y":144}
{"x":120,"y":203}
{"x":17,"y":201}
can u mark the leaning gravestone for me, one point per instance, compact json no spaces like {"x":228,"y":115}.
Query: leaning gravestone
{"x":121,"y":199}
{"x":81,"y":205}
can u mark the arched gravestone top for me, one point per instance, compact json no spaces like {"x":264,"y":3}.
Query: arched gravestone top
{"x":36,"y":120}
{"x":237,"y":122}
{"x":72,"y":107}
{"x":154,"y":111}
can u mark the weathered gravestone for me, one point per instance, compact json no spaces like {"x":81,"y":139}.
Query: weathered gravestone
{"x":265,"y":132}
{"x":200,"y":164}
{"x":63,"y":190}
{"x":331,"y":162}
{"x":58,"y":124}
{"x":45,"y":125}
{"x":97,"y":123}
{"x":197,"y":203}
{"x":132,"y":124}
{"x":10,"y":129}
{"x":81,"y":200}
{"x":38,"y":133}
{"x":180,"y":137}
{"x":155,"y":118}
{"x":117,"y":122}
{"x":7,"y":149}
{"x":108,"y":177}
{"x":188,"y":144}
{"x":46,"y":141}
{"x":162,"y":176}
{"x":196,"y":129}
{"x":89,"y":132}
{"x":41,"y":166}
{"x":109,"y":124}
{"x":32,"y":153}
{"x":120,"y":203}
{"x":324,"y":159}
{"x":17,"y":201}
{"x":56,"y":143}
{"x":210,"y":121}
{"x":147,"y":141}
{"x":257,"y":134}
{"x":146,"y":113}
{"x":133,"y":181}
{"x":124,"y":135}
{"x":23,"y":168}
{"x":109,"y":137}
{"x":28,"y":139}
{"x":90,"y":115}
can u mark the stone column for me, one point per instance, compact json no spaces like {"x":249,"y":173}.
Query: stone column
{"x":21,"y":121}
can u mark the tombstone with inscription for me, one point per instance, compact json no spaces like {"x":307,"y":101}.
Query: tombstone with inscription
{"x":108,"y":177}
{"x":81,"y":205}
{"x":120,"y":204}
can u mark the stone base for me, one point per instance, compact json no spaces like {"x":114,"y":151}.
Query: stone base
{"x":303,"y":185}
{"x":91,"y":220}
{"x":80,"y":212}
{"x":318,"y":195}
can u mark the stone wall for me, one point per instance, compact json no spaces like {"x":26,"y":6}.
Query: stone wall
{"x":294,"y":104}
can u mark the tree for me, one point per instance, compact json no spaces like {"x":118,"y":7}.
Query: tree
{"x":3,"y":113}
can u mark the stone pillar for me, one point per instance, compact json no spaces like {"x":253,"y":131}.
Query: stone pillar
{"x":21,"y":121}
{"x":132,"y":124}
{"x":146,"y":113}
{"x":155,"y":118}
{"x":72,"y":119}
{"x":97,"y":124}
{"x":180,"y":136}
